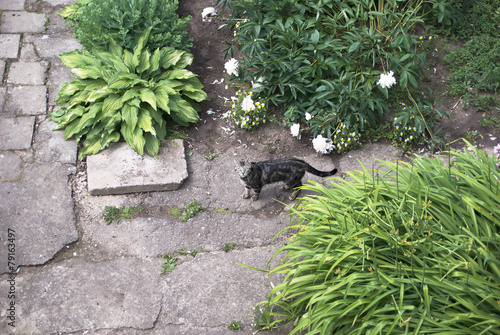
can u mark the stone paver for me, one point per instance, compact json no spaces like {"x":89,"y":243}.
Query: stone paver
{"x":77,"y":295}
{"x":22,"y":22}
{"x":58,"y":74}
{"x":50,"y":145}
{"x":49,"y":46}
{"x":27,"y":73}
{"x":9,"y":45}
{"x":16,"y":133}
{"x":26,"y":100}
{"x":39,"y":208}
{"x":3,"y":95}
{"x":120,"y":170}
{"x":12,"y":4}
{"x":10,"y":165}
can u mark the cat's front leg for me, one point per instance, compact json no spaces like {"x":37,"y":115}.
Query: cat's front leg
{"x":256,"y":193}
{"x":246,"y":195}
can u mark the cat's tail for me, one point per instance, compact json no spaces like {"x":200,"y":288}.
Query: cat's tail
{"x":319,"y":173}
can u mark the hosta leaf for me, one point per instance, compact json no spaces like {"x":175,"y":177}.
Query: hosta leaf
{"x":161,"y":130}
{"x":128,"y":60}
{"x":112,"y":61}
{"x":152,"y":145}
{"x":145,"y":121}
{"x":130,"y":94}
{"x":154,"y":61}
{"x":162,"y":98}
{"x":72,"y":128}
{"x":185,"y":60}
{"x":130,"y":114}
{"x":124,"y":80}
{"x":112,"y":102}
{"x":148,"y":96}
{"x":143,"y":61}
{"x":156,"y":115}
{"x":85,"y":121}
{"x":168,"y":86}
{"x":139,"y":47}
{"x":86,"y":72}
{"x":182,"y":111}
{"x":69,"y":116}
{"x":115,"y":49}
{"x":99,"y":94}
{"x":76,"y":59}
{"x":179,"y":74}
{"x":170,"y":57}
{"x":113,"y":122}
{"x":134,"y":137}
{"x":194,"y":82}
{"x":197,"y":95}
{"x":68,"y":90}
{"x":96,"y":84}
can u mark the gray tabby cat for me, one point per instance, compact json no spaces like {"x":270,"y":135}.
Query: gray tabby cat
{"x":254,"y":175}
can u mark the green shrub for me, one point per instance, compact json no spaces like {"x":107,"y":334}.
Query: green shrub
{"x":131,"y":94}
{"x":326,"y":58}
{"x":411,"y":250}
{"x":96,"y":22}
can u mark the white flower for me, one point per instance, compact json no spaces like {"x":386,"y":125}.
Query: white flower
{"x":207,"y":13}
{"x":323,"y":145}
{"x":247,"y":104}
{"x":387,"y":80}
{"x":295,"y":129}
{"x":308,"y":116}
{"x":257,"y":83}
{"x":231,"y":66}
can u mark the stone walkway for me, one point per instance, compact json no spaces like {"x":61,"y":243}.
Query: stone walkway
{"x":77,"y":275}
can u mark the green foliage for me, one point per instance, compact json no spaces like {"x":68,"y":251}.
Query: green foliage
{"x":96,"y":22}
{"x":325,"y":58}
{"x":414,"y":248}
{"x":479,"y":18}
{"x":117,"y":213}
{"x":169,"y":264}
{"x":191,"y":210}
{"x":229,"y":246}
{"x":133,"y":94}
{"x":235,"y":326}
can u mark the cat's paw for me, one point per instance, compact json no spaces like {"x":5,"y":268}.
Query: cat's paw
{"x":246,"y":195}
{"x":255,"y":197}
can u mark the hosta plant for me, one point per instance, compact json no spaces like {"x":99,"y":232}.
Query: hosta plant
{"x":129,"y":94}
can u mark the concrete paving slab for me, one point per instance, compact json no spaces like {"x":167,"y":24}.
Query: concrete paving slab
{"x":50,"y":145}
{"x":60,"y":2}
{"x":10,"y":166}
{"x":120,"y":170}
{"x":9,"y":45}
{"x":16,"y":133}
{"x":57,"y":25}
{"x":151,"y":237}
{"x":2,"y":67}
{"x":27,"y":73}
{"x":22,"y":22}
{"x":75,"y":295}
{"x":229,"y":289}
{"x":11,"y":4}
{"x":26,"y":100}
{"x":39,"y":208}
{"x":51,"y":46}
{"x":3,"y":95}
{"x":28,"y":53}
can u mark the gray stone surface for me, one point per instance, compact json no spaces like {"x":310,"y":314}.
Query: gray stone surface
{"x":9,"y":45}
{"x":3,"y":95}
{"x":2,"y":67}
{"x":26,"y":100}
{"x":120,"y":170}
{"x":51,"y":46}
{"x":58,"y":74}
{"x":50,"y":145}
{"x":39,"y":208}
{"x":10,"y":165}
{"x":16,"y":133}
{"x":27,"y":73}
{"x":60,"y":2}
{"x":76,"y":294}
{"x":220,"y":275}
{"x":22,"y":22}
{"x":150,"y":237}
{"x":12,"y":4}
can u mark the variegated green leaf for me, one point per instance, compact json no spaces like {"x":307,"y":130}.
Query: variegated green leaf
{"x":197,"y":95}
{"x":124,"y":80}
{"x":162,"y":99}
{"x":77,"y":58}
{"x":145,"y":121}
{"x":139,"y":47}
{"x":143,"y":62}
{"x":148,"y":96}
{"x":115,"y":49}
{"x":166,"y":86}
{"x":112,"y":102}
{"x":170,"y":57}
{"x":185,"y":60}
{"x":86,"y":72}
{"x":179,"y":74}
{"x":151,"y":145}
{"x":130,"y":114}
{"x":134,"y":137}
{"x":68,"y":90}
{"x":130,"y":94}
{"x":154,"y":61}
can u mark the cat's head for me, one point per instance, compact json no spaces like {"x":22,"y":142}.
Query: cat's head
{"x":243,"y":168}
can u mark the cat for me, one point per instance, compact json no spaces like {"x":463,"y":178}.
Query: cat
{"x":254,"y":175}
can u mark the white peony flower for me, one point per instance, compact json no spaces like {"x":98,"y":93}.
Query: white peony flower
{"x":308,"y":116}
{"x":247,"y":104}
{"x":258,"y":83}
{"x":207,"y":13}
{"x":295,"y":129}
{"x":387,"y":80}
{"x":323,"y":145}
{"x":231,"y":66}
